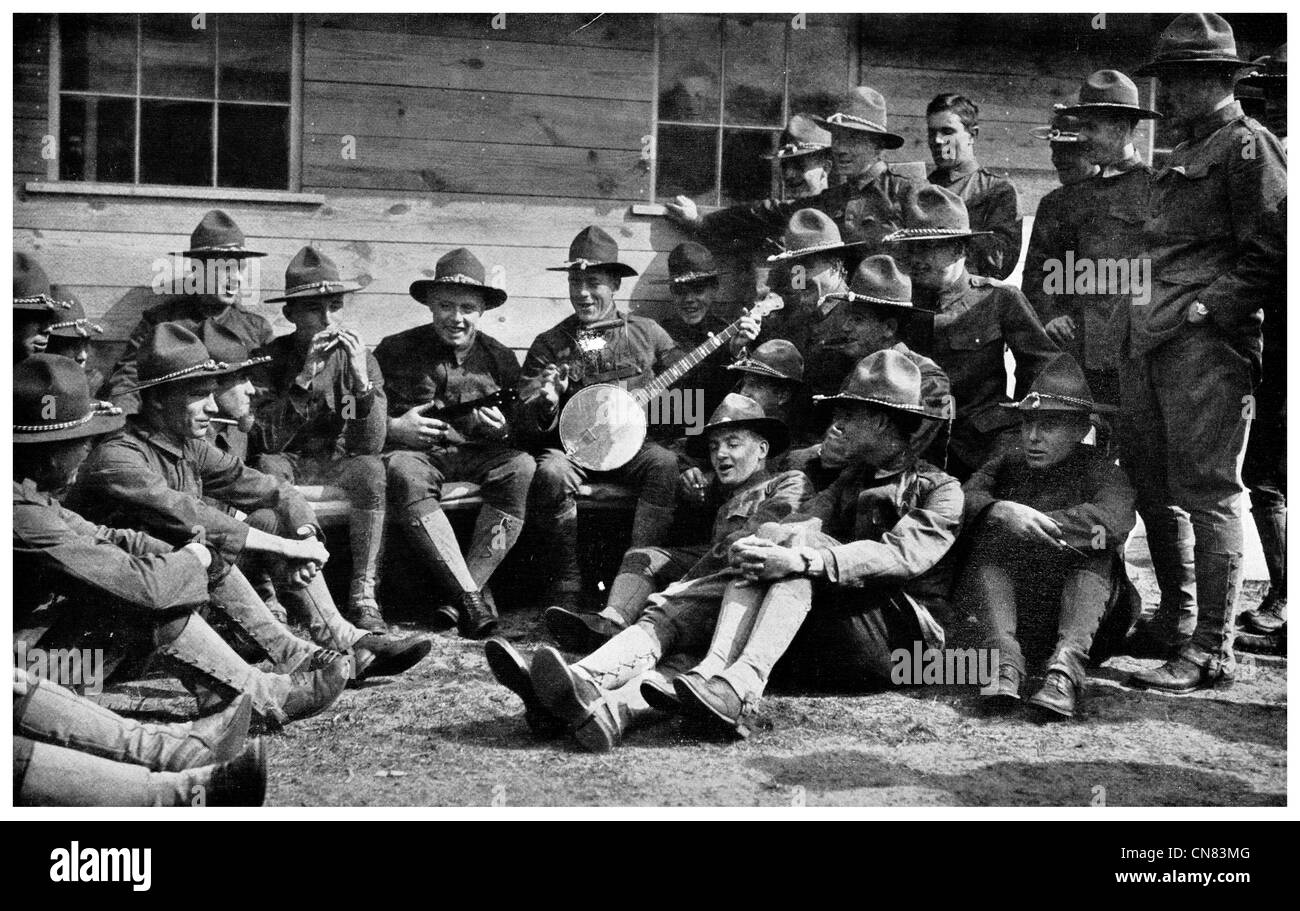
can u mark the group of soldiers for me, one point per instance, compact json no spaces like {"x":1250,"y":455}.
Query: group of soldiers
{"x":863,"y":484}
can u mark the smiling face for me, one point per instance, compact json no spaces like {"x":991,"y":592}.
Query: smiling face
{"x":224,"y":279}
{"x":456,"y":312}
{"x":932,"y":264}
{"x":805,"y":175}
{"x":861,"y":433}
{"x":854,"y":152}
{"x":1051,"y":437}
{"x":314,"y":315}
{"x":591,"y":292}
{"x":948,"y":138}
{"x":182,"y":410}
{"x":693,"y":300}
{"x":735,"y":454}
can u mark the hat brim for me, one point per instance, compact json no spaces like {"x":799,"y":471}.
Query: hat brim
{"x":798,"y":153}
{"x":622,"y":270}
{"x":1104,"y":107}
{"x":913,"y":235}
{"x":692,"y":278}
{"x":844,"y":399}
{"x":492,"y":297}
{"x":77,"y":331}
{"x":44,"y":302}
{"x":200,"y":374}
{"x":886,"y":139}
{"x":788,"y":255}
{"x":766,"y":372}
{"x":770,"y":429}
{"x":335,"y":288}
{"x":218,"y":253}
{"x":97,"y":426}
{"x":1057,"y":406}
{"x":1155,"y":67}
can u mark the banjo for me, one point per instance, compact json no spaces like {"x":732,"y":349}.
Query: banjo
{"x":603,"y":425}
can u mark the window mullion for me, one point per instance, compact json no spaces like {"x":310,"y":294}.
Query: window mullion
{"x":139,"y":90}
{"x":55,"y":102}
{"x":216,"y":91}
{"x":722,"y":107}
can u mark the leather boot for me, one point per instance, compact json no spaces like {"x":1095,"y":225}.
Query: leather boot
{"x":495,"y":533}
{"x":51,"y":714}
{"x":651,"y":524}
{"x":715,"y":702}
{"x":1008,"y":692}
{"x":236,"y":600}
{"x":511,"y":671}
{"x":58,"y":776}
{"x":477,"y":618}
{"x":366,"y":539}
{"x":573,"y":698}
{"x":579,"y":633}
{"x":433,"y":538}
{"x":1218,"y":585}
{"x":1270,"y":616}
{"x":565,"y":582}
{"x":1170,"y":541}
{"x":1058,"y":695}
{"x":379,"y":655}
{"x":326,"y":625}
{"x":1180,"y":676}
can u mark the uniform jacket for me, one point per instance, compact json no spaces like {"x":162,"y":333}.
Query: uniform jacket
{"x":629,"y":356}
{"x":139,"y":478}
{"x":1086,"y":494}
{"x":59,"y":554}
{"x":312,"y":421}
{"x":190,"y":311}
{"x":1100,"y":218}
{"x":993,"y":205}
{"x":1206,"y":204}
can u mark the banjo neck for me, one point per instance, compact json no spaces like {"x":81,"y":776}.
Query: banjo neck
{"x":685,"y":364}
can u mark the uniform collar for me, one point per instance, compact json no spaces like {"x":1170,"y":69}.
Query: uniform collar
{"x":452,"y":353}
{"x":958,"y":169}
{"x":758,"y":479}
{"x":1123,"y":166}
{"x":1210,"y":123}
{"x":155,"y":438}
{"x":946,"y":297}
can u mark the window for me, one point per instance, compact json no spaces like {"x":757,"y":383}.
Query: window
{"x":179,"y":100}
{"x":727,"y":85}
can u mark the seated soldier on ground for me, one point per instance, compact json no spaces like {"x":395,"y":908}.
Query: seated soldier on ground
{"x":324,"y":415}
{"x":79,"y":585}
{"x":156,"y":473}
{"x":1044,"y":538}
{"x":35,"y":308}
{"x":451,"y":363}
{"x":739,"y":440}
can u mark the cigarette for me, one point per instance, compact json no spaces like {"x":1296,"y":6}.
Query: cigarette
{"x":231,"y":421}
{"x":1061,"y":541}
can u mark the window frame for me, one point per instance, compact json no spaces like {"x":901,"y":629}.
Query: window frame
{"x":209,"y":190}
{"x":719,"y":124}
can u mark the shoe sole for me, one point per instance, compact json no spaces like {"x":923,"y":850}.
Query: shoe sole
{"x":570,"y":633}
{"x":443,"y":619}
{"x":698,"y":707}
{"x":553,"y":683}
{"x":661,"y":700}
{"x":487,"y":629}
{"x":1221,"y":684}
{"x":398,"y":662}
{"x":1050,"y":710}
{"x":594,"y":737}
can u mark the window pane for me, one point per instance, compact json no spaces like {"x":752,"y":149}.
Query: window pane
{"x":176,"y":143}
{"x":689,"y":57}
{"x":98,"y":53}
{"x":97,"y":139}
{"x":819,"y":69}
{"x":255,"y":55}
{"x":687,"y":162}
{"x":745,"y":175}
{"x":253,"y":146}
{"x":176,"y":57}
{"x":755,"y":76}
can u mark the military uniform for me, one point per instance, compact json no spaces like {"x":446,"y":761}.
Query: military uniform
{"x":711,"y":376}
{"x":994,"y":206}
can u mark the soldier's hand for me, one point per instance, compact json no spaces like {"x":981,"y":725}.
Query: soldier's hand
{"x":760,"y":560}
{"x":317,"y":353}
{"x":489,"y":422}
{"x":306,"y":550}
{"x":356,"y":352}
{"x":694,"y":484}
{"x":553,"y":383}
{"x":683,"y":211}
{"x":1060,"y":330}
{"x":415,"y":431}
{"x":1197,"y":313}
{"x":300,"y":575}
{"x":200,"y":551}
{"x":1026,"y":522}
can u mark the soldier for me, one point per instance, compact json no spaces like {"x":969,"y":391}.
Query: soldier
{"x":450,"y":362}
{"x":878,"y":316}
{"x":35,"y":309}
{"x":220,"y":271}
{"x":952,"y":126}
{"x":70,"y":336}
{"x":804,"y":158}
{"x":772,"y":375}
{"x":865,"y":205}
{"x":159,"y":470}
{"x":1047,"y":525}
{"x":324,"y":416}
{"x":83,"y":585}
{"x":976,"y":320}
{"x":1068,"y":158}
{"x":739,"y":439}
{"x":598,"y":344}
{"x":1194,"y":347}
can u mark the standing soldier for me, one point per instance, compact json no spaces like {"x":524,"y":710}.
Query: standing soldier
{"x":324,"y":416}
{"x":1068,"y":158}
{"x":952,"y":126}
{"x":35,"y":309}
{"x":865,"y":205}
{"x":219,"y":263}
{"x":451,"y":363}
{"x":804,"y":158}
{"x":1194,"y":349}
{"x":976,"y":320}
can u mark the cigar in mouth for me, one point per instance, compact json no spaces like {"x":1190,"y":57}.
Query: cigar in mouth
{"x":228,"y":421}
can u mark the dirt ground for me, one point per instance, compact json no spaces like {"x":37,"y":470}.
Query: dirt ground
{"x":446,"y":734}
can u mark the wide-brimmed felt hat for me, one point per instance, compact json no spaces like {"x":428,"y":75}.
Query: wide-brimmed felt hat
{"x":741,"y":412}
{"x":52,"y":402}
{"x":884,"y":379}
{"x":72,"y":322}
{"x":1195,"y":39}
{"x":933,"y":213}
{"x":462,"y":269}
{"x":879,"y":284}
{"x":801,"y":136}
{"x":1060,"y":386}
{"x":311,"y":274}
{"x":1270,"y":70}
{"x":32,"y":288}
{"x":777,"y":359}
{"x":863,"y":111}
{"x":174,"y":354}
{"x":217,"y":236}
{"x":1064,"y":128}
{"x":1109,"y":90}
{"x":593,"y":248}
{"x":689,"y":262}
{"x":808,"y":232}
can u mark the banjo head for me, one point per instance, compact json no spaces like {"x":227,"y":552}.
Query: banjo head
{"x":602,"y":427}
